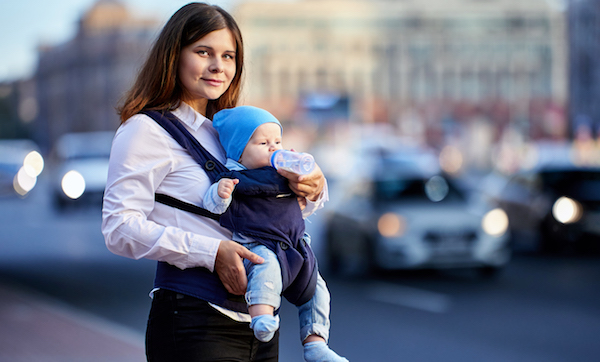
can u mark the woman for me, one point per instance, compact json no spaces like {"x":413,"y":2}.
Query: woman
{"x":193,"y":70}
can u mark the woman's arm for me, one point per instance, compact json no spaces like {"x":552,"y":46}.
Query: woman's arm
{"x":141,"y":158}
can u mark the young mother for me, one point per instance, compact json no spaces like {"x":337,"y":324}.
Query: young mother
{"x":193,"y":70}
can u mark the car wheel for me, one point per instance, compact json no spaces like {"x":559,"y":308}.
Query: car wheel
{"x":549,"y":242}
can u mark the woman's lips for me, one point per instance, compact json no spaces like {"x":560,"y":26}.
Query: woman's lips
{"x":213,"y":82}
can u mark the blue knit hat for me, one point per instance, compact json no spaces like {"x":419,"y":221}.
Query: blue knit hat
{"x":237,"y":125}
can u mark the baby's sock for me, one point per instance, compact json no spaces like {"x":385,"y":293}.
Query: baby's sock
{"x":264,"y":327}
{"x":320,"y":352}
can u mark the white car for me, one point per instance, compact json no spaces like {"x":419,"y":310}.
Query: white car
{"x":81,"y":167}
{"x":399,"y":213}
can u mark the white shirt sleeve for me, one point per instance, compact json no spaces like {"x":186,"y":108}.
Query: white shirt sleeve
{"x":312,"y":206}
{"x":142,"y":157}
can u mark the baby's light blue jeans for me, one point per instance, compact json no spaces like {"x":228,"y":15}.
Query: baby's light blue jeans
{"x":265,"y":287}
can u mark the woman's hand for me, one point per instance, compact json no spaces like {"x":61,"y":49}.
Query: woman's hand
{"x":230,"y":267}
{"x":308,"y":186}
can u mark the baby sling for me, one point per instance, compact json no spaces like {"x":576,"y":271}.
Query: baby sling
{"x":298,"y":263}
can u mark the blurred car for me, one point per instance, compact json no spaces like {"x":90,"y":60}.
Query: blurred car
{"x":399,"y":212}
{"x":556,"y":206}
{"x":81,"y":167}
{"x":20,"y":165}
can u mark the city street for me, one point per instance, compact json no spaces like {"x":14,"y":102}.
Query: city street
{"x":539,"y":309}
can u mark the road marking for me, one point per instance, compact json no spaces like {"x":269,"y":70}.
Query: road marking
{"x":409,"y":297}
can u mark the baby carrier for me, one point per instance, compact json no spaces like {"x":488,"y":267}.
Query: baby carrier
{"x":298,"y":263}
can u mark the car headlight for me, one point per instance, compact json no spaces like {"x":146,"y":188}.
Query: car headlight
{"x":23,"y":182}
{"x":73,"y":184}
{"x":567,"y":210}
{"x":495,"y":222}
{"x":391,"y":225}
{"x":34,"y":163}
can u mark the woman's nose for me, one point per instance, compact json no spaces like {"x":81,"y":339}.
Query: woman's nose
{"x":216,"y":67}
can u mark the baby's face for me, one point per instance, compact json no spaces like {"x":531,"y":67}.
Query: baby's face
{"x":265,"y":140}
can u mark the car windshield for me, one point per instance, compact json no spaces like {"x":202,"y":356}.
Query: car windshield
{"x":434,"y":189}
{"x":582,"y":184}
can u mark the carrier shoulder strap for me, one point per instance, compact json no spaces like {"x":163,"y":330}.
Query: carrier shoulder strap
{"x":185,"y":206}
{"x":177,"y":130}
{"x":205,"y":159}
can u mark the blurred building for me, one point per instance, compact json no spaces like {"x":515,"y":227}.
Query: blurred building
{"x":426,"y":66}
{"x":18,"y":108}
{"x":584,"y":70}
{"x":80,"y":82}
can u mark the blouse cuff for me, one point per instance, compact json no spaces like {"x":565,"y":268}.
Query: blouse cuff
{"x":203,"y":253}
{"x":312,"y":206}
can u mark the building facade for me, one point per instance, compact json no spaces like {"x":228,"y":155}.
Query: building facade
{"x":390,"y":58}
{"x":80,"y":82}
{"x":18,"y":108}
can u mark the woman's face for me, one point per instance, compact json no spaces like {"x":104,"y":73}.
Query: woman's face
{"x":207,"y":67}
{"x":265,"y":140}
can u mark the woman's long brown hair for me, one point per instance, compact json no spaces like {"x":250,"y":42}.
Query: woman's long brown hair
{"x":157,"y":86}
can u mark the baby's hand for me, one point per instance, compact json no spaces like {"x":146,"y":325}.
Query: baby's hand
{"x":226,"y":186}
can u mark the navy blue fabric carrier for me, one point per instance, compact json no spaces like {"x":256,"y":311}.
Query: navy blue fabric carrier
{"x":265,"y":208}
{"x":298,"y":263}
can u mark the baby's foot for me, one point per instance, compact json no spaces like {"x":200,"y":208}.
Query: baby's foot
{"x":264,"y":327}
{"x":320,"y":352}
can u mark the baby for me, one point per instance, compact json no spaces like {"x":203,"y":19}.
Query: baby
{"x":261,"y":211}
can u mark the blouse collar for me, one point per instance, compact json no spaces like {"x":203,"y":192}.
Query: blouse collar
{"x":189,"y":116}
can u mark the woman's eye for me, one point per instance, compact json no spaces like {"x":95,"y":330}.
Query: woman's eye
{"x":229,"y":56}
{"x":202,"y":52}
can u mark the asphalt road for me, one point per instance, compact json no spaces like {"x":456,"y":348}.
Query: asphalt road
{"x":539,"y":309}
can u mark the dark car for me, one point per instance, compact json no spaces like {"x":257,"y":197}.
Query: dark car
{"x":554,"y":208}
{"x":404,"y":215}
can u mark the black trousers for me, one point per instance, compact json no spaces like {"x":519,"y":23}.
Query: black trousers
{"x":186,"y":329}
